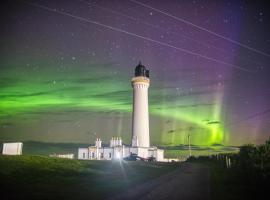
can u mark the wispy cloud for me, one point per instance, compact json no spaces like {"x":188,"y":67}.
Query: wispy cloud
{"x":213,"y":122}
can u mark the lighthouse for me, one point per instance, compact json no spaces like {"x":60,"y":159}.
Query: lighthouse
{"x":140,"y":143}
{"x":140,"y":117}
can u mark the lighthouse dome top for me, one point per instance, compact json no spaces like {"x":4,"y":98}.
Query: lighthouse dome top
{"x":141,"y":70}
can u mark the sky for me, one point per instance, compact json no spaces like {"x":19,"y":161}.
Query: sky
{"x":66,"y":69}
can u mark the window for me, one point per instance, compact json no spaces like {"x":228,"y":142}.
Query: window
{"x":101,"y":155}
{"x":110,"y":155}
{"x":93,"y":155}
{"x":83,"y":155}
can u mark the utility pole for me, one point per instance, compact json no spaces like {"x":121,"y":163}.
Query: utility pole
{"x":190,"y":128}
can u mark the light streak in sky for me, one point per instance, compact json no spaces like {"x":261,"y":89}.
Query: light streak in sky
{"x":138,"y":36}
{"x":264,"y":112}
{"x":137,"y":20}
{"x":201,"y":28}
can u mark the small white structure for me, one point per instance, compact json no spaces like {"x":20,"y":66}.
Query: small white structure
{"x":14,"y":148}
{"x":67,"y":156}
{"x":172,"y":160}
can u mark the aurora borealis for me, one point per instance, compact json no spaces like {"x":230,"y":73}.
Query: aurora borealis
{"x":64,"y":78}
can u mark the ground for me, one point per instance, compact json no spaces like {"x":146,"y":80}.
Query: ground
{"x":189,"y":181}
{"x":41,"y":177}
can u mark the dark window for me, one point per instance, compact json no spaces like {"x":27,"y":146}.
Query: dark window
{"x":83,"y":155}
{"x":110,"y":155}
{"x":93,"y":155}
{"x":147,"y":73}
{"x":101,"y":155}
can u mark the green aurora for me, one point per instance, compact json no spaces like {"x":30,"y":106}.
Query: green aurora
{"x":101,"y":92}
{"x":66,"y":67}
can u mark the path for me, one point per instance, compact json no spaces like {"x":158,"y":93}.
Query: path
{"x":190,"y":182}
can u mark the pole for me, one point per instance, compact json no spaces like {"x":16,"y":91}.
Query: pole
{"x":189,"y":145}
{"x":189,"y":141}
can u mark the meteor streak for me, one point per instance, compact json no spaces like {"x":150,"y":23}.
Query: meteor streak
{"x":205,"y":44}
{"x":264,"y":112}
{"x":201,"y":28}
{"x":136,"y":35}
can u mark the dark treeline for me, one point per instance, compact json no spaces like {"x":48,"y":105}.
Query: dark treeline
{"x":254,"y":160}
{"x":242,"y":175}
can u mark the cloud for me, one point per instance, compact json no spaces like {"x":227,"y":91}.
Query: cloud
{"x":89,"y":80}
{"x":22,"y":95}
{"x":171,"y":131}
{"x":7,"y":124}
{"x":195,"y":105}
{"x":186,"y":106}
{"x":119,"y":93}
{"x":173,"y":95}
{"x":9,"y":82}
{"x":206,"y":120}
{"x":213,"y":122}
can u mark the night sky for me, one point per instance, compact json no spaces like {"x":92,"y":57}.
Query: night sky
{"x":66,"y":67}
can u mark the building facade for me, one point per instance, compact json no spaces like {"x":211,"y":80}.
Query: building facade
{"x":118,"y":151}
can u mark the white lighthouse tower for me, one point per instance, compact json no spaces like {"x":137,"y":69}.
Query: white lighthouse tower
{"x":140,"y":120}
{"x":140,"y":144}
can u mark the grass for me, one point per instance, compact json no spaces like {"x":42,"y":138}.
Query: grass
{"x":40,"y":177}
{"x":43,"y":148}
{"x":184,"y":153}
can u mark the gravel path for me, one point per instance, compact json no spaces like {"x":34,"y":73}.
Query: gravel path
{"x":191,"y":181}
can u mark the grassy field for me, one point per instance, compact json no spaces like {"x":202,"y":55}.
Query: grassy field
{"x":182,"y":151}
{"x":44,"y":148}
{"x":40,"y":177}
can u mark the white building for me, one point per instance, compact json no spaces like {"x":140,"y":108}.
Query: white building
{"x":140,"y":142}
{"x":12,"y":148}
{"x":118,"y":151}
{"x":67,"y":156}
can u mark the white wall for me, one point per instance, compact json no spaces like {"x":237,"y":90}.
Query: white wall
{"x":119,"y":152}
{"x":160,"y":155}
{"x":83,"y":154}
{"x":143,"y":152}
{"x":12,"y":148}
{"x":68,"y":156}
{"x":132,"y":150}
{"x":108,"y":153}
